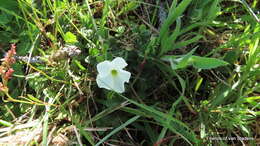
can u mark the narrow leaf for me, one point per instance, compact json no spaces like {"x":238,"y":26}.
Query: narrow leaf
{"x":118,"y":129}
{"x":207,"y":63}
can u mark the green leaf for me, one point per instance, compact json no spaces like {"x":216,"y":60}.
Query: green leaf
{"x":178,"y":62}
{"x":183,"y":61}
{"x":199,"y":81}
{"x":168,"y":121}
{"x":5,"y":123}
{"x":105,"y":13}
{"x":117,"y":129}
{"x":5,"y":18}
{"x":132,"y":5}
{"x":207,"y":63}
{"x":214,"y":10}
{"x":232,"y":56}
{"x":80,"y":66}
{"x":187,"y":42}
{"x":151,"y":132}
{"x":70,"y":38}
{"x":221,"y":94}
{"x":31,"y":97}
{"x":173,"y":15}
{"x":9,"y":4}
{"x":168,"y":41}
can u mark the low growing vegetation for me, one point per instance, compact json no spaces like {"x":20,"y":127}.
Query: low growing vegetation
{"x":130,"y":72}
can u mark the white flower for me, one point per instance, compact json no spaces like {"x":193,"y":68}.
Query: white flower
{"x":111,"y":75}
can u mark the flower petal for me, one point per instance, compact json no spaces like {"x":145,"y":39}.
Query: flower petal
{"x":119,"y":80}
{"x":105,"y":81}
{"x":111,"y":83}
{"x":124,"y":75}
{"x":119,"y":63}
{"x":118,"y":85}
{"x":104,"y":68}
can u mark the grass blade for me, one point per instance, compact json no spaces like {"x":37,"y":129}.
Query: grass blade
{"x":118,"y":129}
